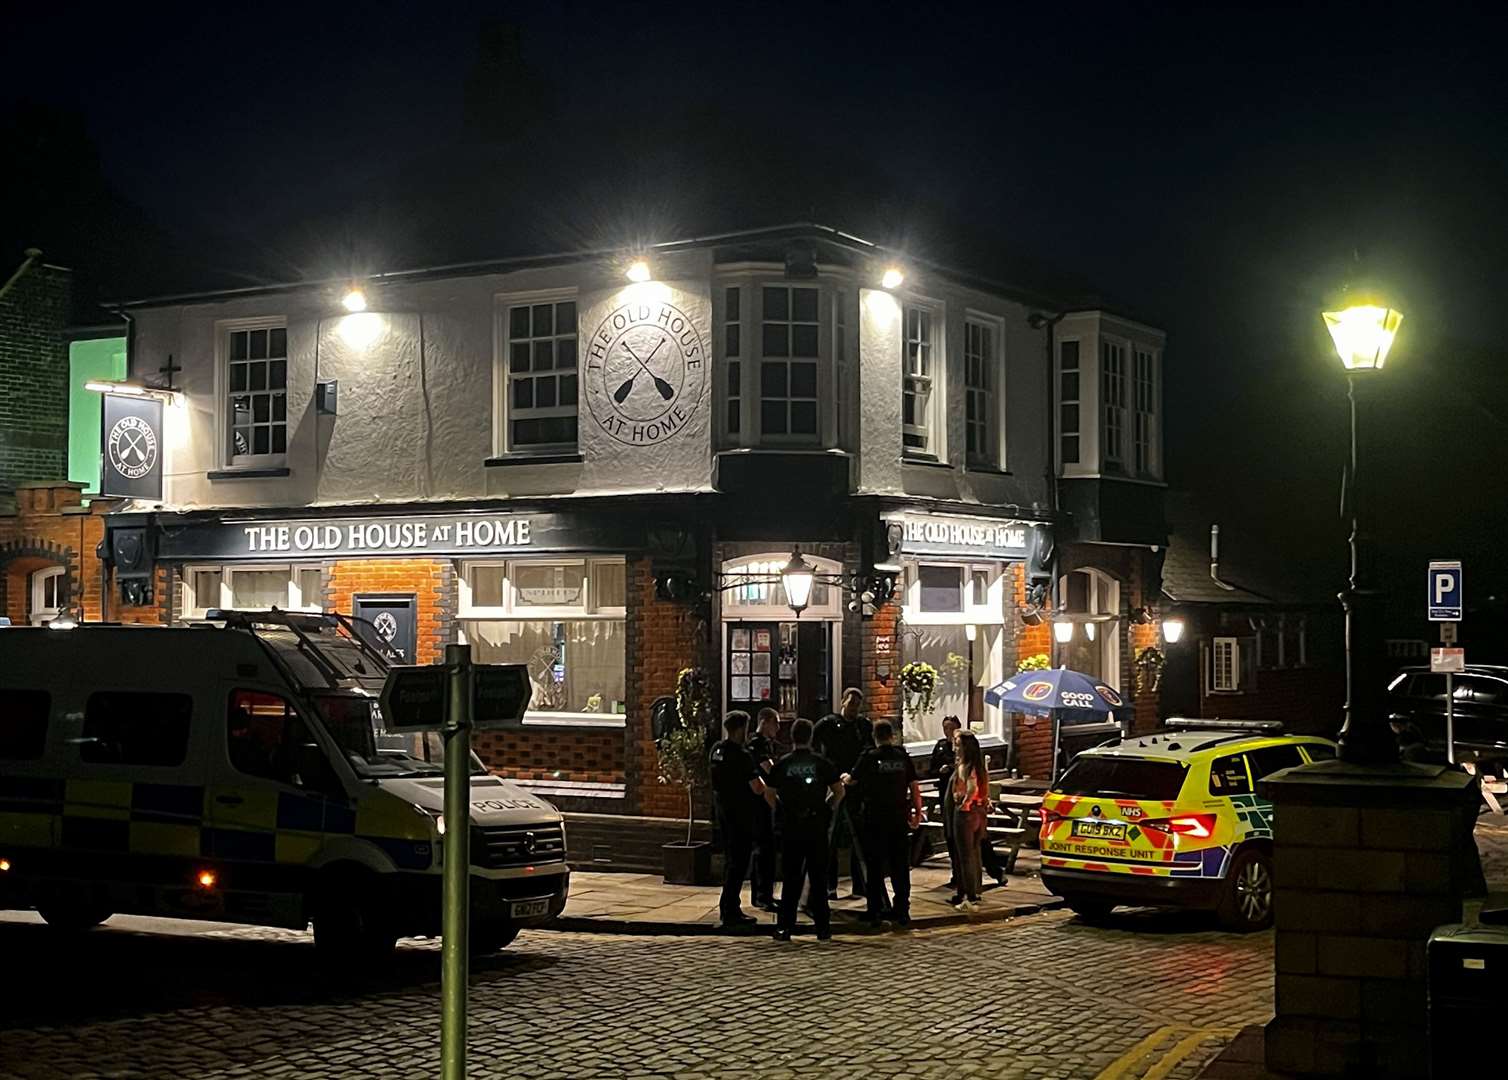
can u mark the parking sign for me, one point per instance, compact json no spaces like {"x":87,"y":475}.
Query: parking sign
{"x":1444,"y":592}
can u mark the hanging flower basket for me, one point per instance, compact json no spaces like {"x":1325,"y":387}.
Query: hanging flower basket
{"x":918,"y":682}
{"x":1149,"y":664}
{"x":1035,"y":662}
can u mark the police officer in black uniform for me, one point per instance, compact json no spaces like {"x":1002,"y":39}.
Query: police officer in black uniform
{"x":804,"y":781}
{"x":841,"y":737}
{"x":886,"y":781}
{"x":737,"y":790}
{"x":765,"y":751}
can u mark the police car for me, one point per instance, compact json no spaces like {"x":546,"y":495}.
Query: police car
{"x":1172,"y":818}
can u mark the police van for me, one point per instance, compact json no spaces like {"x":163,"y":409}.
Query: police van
{"x":239,"y":770}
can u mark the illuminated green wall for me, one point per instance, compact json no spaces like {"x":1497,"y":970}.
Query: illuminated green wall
{"x":100,"y":358}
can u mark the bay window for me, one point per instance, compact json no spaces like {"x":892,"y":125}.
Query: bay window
{"x":1113,"y":394}
{"x":564,"y":619}
{"x":790,"y":364}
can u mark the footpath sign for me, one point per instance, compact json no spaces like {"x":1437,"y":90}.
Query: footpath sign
{"x":452,"y":698}
{"x":1444,"y":598}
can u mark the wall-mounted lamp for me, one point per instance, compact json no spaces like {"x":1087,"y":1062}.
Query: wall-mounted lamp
{"x":1172,"y":630}
{"x":1062,"y":630}
{"x":970,"y":631}
{"x":1089,"y":631}
{"x":638,"y":271}
{"x":355,"y":300}
{"x":892,"y":278}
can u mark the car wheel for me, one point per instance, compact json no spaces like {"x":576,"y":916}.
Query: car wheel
{"x":489,"y":938}
{"x":1092,"y":909}
{"x":71,"y":916}
{"x":1247,"y":902}
{"x":349,"y":927}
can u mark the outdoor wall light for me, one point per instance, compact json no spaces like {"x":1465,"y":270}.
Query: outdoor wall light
{"x":1363,"y":335}
{"x":1089,"y":631}
{"x":970,"y":631}
{"x":638,"y":271}
{"x":1172,"y":630}
{"x":355,"y":300}
{"x":893,"y":278}
{"x":797,"y":578}
{"x":168,"y":397}
{"x":1062,"y":630}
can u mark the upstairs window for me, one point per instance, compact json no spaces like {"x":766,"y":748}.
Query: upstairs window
{"x":257,"y":403}
{"x":1113,"y":382}
{"x":541,"y":380}
{"x":981,"y":368}
{"x":1068,"y":401}
{"x":733,"y":367}
{"x":918,"y":434}
{"x":790,"y":356}
{"x":1144,"y":436}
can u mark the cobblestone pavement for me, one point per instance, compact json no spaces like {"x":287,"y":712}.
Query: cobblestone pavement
{"x":1039,"y":997}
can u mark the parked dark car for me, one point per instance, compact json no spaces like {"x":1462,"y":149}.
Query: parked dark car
{"x":1417,"y":695}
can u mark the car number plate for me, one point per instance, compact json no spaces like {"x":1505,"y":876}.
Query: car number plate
{"x":1099,"y":830}
{"x":527,"y":909}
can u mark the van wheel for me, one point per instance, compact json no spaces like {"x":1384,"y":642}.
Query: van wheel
{"x":73,"y":917}
{"x":488,"y":938}
{"x":349,"y":928}
{"x":1091,"y":909}
{"x":1246,"y":904}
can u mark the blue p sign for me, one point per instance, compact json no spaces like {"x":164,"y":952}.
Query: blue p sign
{"x":1445,"y":592}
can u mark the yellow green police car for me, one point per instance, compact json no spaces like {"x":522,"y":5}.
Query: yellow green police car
{"x":1172,"y":818}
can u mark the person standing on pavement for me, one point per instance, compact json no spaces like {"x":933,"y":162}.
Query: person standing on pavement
{"x":737,"y":790}
{"x":944,"y":756}
{"x":764,"y":750}
{"x":971,"y":808}
{"x":807,"y":786}
{"x":841,"y":737}
{"x":891,"y":798}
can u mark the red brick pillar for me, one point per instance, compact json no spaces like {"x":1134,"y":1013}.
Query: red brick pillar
{"x":880,"y":663}
{"x":1033,"y":733}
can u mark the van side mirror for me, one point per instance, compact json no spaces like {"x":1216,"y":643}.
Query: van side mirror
{"x":315,"y":771}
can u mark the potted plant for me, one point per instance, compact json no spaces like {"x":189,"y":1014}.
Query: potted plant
{"x":918,"y":683}
{"x":682,"y":752}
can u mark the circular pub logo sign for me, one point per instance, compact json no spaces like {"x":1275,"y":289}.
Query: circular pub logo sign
{"x":1037,"y":691}
{"x":645,"y":370}
{"x":132,"y":447}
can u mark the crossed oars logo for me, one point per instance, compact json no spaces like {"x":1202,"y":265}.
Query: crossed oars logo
{"x":665,"y":390}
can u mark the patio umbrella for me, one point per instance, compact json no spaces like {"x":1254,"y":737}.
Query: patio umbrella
{"x":1069,"y":697}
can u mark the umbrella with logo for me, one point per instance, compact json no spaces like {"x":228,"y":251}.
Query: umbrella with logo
{"x":1079,"y":702}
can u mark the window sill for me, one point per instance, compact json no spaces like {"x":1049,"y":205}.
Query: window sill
{"x":589,"y":721}
{"x":925,"y":462}
{"x":561,"y":458}
{"x":986,"y":470}
{"x":248,"y":474}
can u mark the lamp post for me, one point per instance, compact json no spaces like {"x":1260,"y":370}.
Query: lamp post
{"x":1363,"y":335}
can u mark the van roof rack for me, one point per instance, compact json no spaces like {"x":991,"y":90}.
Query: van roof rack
{"x":1184,"y":723}
{"x":302,"y":624}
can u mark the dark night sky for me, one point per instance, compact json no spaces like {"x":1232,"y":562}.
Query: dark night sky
{"x":1214,"y":170}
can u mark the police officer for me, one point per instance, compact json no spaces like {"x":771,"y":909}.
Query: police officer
{"x":886,"y":782}
{"x":804,"y":782}
{"x":841,"y":737}
{"x":736,"y":790}
{"x":765,"y":752}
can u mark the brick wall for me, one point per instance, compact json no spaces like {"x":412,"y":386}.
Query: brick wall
{"x":33,"y":375}
{"x":431,"y":581}
{"x":52,"y":527}
{"x":1033,"y":733}
{"x":880,"y":663}
{"x":1308,"y":700}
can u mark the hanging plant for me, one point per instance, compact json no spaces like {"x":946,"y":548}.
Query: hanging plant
{"x":693,"y":698}
{"x":918,"y":683}
{"x":1035,"y":662}
{"x":1149,"y":664}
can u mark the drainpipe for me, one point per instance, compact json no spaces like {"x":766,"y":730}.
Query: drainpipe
{"x":1215,"y":559}
{"x":32,"y":255}
{"x":1039,"y":320}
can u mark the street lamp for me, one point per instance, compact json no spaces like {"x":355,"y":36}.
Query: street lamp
{"x":1363,"y":336}
{"x":796,"y":579}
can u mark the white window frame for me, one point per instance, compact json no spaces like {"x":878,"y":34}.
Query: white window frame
{"x":991,"y":396}
{"x":587,"y":611}
{"x":1114,"y":433}
{"x":502,"y":381}
{"x":1076,"y":403}
{"x":42,"y":612}
{"x":732,"y":386}
{"x":822,"y":403}
{"x":224,"y":422}
{"x":991,"y":612}
{"x":194,"y":605}
{"x":1146,"y":441}
{"x":928,"y":381}
{"x":1227,"y":681}
{"x":737,"y":604}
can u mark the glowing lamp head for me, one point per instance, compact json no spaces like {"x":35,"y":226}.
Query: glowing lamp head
{"x":354,"y":300}
{"x":1062,"y":630}
{"x":4,"y":865}
{"x":1089,"y":631}
{"x":892,"y":278}
{"x":797,"y":578}
{"x":1172,"y":630}
{"x":638,"y":271}
{"x":1363,"y":335}
{"x":971,"y":632}
{"x":205,"y":879}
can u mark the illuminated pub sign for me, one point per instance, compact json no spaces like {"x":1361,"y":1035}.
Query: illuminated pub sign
{"x":952,"y":534}
{"x":479,"y":533}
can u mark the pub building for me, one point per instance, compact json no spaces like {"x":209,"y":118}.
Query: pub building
{"x":604,"y":465}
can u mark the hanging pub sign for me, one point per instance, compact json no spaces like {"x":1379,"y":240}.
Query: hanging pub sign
{"x":131,"y":447}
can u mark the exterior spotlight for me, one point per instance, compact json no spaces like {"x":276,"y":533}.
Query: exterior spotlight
{"x":797,"y":578}
{"x":1062,"y":630}
{"x":1172,"y":630}
{"x":354,"y":300}
{"x":638,"y":270}
{"x":892,"y":278}
{"x":1363,"y":335}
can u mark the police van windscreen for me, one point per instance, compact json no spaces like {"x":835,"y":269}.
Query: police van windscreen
{"x":355,"y":723}
{"x":1129,"y":778}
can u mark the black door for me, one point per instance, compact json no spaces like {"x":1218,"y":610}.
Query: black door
{"x":391,"y":623}
{"x":813,"y":670}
